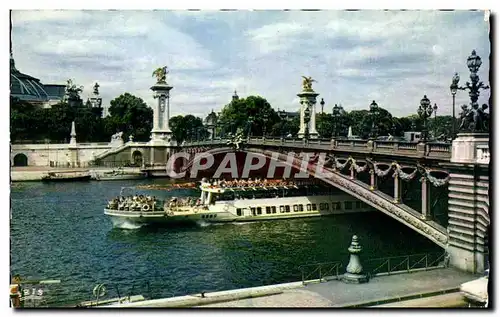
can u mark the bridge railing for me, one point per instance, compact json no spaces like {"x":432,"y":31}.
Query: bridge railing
{"x":405,"y":264}
{"x":431,"y":149}
{"x":320,"y":271}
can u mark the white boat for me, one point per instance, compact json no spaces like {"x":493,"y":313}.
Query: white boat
{"x":219,"y":203}
{"x":118,"y":174}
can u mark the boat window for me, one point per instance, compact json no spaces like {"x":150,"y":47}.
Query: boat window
{"x":301,"y":207}
{"x":268,"y":210}
{"x":253,"y":211}
{"x":282,"y":209}
{"x":295,"y":207}
{"x":338,"y":206}
{"x":238,"y":211}
{"x":327,"y":206}
{"x":215,"y":216}
{"x":313,"y":207}
{"x":287,"y":208}
{"x":308,"y":207}
{"x":348,"y":205}
{"x":358,"y":204}
{"x":273,"y":208}
{"x":259,"y":210}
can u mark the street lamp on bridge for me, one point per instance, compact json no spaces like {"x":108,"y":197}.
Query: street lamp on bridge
{"x":473,"y":119}
{"x":435,"y":108}
{"x":336,"y":115}
{"x":424,"y":111}
{"x":282,"y":115}
{"x":374,"y":111}
{"x":307,"y":118}
{"x":265,"y":120}
{"x":322,"y":103}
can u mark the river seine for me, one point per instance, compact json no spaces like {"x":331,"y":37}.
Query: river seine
{"x":59,"y":231}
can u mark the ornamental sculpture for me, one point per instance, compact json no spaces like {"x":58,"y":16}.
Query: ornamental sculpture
{"x":72,"y":91}
{"x":473,"y":119}
{"x":96,"y":89}
{"x":307,"y":83}
{"x":161,"y":74}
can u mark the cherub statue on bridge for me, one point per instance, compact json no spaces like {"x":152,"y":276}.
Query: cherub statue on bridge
{"x":161,"y":74}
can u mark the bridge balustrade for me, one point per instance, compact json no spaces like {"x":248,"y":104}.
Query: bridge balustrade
{"x":435,"y":150}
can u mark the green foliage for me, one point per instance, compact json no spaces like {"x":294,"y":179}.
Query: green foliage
{"x":187,"y":128}
{"x":130,"y":115}
{"x":253,"y":114}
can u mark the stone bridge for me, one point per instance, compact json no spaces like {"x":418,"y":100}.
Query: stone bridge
{"x":377,"y":172}
{"x":438,"y":189}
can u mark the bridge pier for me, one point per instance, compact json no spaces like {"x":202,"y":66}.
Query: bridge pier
{"x":468,"y":205}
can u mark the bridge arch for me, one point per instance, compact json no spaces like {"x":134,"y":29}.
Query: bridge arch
{"x":361,"y":191}
{"x":137,"y":157}
{"x":20,"y":159}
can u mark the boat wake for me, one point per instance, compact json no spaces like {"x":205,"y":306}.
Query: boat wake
{"x":128,"y":226}
{"x":202,"y":223}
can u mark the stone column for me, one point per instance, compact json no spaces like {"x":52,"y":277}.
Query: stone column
{"x":308,"y":100}
{"x":161,"y":132}
{"x":373,"y":180}
{"x":426,"y":207}
{"x":397,"y":188}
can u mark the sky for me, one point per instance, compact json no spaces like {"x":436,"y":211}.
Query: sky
{"x":392,"y":57}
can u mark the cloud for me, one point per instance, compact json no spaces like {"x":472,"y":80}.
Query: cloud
{"x":394,"y":57}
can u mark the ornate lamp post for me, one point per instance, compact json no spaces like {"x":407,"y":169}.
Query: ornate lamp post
{"x":473,"y":119}
{"x":453,"y":89}
{"x":424,"y":112}
{"x":250,"y":124}
{"x":435,"y":108}
{"x":322,"y":103}
{"x":336,"y":115}
{"x":282,"y":115}
{"x":265,"y":120}
{"x":374,"y":116}
{"x":307,"y":117}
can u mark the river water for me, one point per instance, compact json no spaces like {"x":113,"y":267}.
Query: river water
{"x":59,"y":231}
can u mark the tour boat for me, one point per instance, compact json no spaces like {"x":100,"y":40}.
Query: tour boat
{"x":119,"y":174}
{"x":66,"y":176}
{"x":234,"y":201}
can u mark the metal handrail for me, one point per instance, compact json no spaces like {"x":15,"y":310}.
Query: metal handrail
{"x":395,"y":264}
{"x":319,"y":270}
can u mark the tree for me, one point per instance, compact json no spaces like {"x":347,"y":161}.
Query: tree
{"x":131,"y":115}
{"x":254,"y":114}
{"x":324,"y":125}
{"x":187,"y":128}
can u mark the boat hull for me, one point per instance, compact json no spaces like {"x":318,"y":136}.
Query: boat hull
{"x":120,"y":177}
{"x":136,"y":219}
{"x":66,"y":179}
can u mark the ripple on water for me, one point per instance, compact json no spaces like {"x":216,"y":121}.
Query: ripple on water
{"x":59,"y":231}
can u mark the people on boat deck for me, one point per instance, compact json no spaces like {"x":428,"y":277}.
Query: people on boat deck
{"x":134,"y":203}
{"x":240,"y":183}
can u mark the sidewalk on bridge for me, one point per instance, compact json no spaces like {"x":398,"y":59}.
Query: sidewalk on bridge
{"x":380,"y":290}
